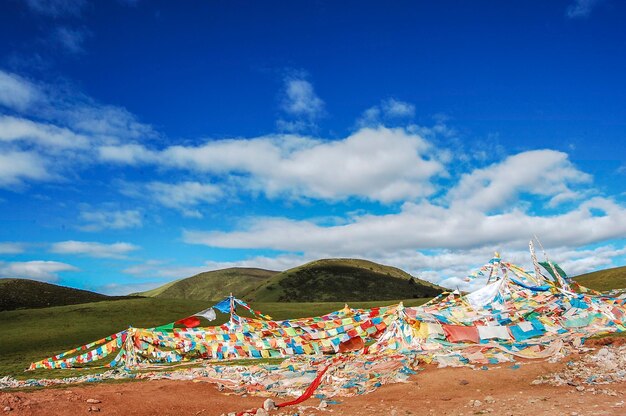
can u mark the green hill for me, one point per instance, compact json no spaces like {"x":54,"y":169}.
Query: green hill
{"x":342,"y":280}
{"x":212,"y":285}
{"x":603,"y":280}
{"x":24,"y":293}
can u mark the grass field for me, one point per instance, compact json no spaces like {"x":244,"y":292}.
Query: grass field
{"x":29,"y":335}
{"x":603,"y":280}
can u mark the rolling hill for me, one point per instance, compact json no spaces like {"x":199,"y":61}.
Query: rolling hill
{"x":342,"y":280}
{"x":24,"y":293}
{"x":603,"y":280}
{"x":213,"y":285}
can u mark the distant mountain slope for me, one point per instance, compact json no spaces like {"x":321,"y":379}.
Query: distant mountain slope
{"x":604,"y":280}
{"x":342,"y":280}
{"x":213,"y":285}
{"x":24,"y":293}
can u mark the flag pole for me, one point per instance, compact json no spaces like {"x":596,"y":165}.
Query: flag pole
{"x":232,"y":311}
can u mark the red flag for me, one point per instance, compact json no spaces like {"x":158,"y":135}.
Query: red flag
{"x":190,"y":322}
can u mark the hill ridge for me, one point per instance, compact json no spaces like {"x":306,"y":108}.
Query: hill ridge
{"x":602,"y":280}
{"x":212,"y":285}
{"x":342,"y":279}
{"x":19,"y":293}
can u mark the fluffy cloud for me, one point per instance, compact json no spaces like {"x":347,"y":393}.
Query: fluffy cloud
{"x":301,"y":100}
{"x":11,"y":248}
{"x":403,"y":165}
{"x":433,"y":227}
{"x":69,"y":39}
{"x":45,"y":271}
{"x":16,"y":166}
{"x":13,"y":129}
{"x":581,"y":8}
{"x":123,"y":289}
{"x":301,"y":103}
{"x":93,"y":249}
{"x":387,"y":110}
{"x":540,"y":172}
{"x":53,"y":130}
{"x":16,"y":92}
{"x":184,"y":195}
{"x":130,"y":154}
{"x":94,"y":220}
{"x":157,"y":268}
{"x":56,"y":8}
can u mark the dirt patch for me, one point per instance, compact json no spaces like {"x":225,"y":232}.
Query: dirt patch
{"x":600,"y":342}
{"x":500,"y":390}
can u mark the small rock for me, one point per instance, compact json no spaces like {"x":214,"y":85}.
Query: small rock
{"x":269,"y":405}
{"x":93,"y":401}
{"x":580,"y":388}
{"x":394,"y":412}
{"x":490,"y":399}
{"x":93,"y":409}
{"x":7,"y":408}
{"x":323,"y":405}
{"x":574,"y":414}
{"x":476,"y":403}
{"x":261,"y":412}
{"x":463,"y":382}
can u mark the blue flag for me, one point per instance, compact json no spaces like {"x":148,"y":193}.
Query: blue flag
{"x":223,"y":306}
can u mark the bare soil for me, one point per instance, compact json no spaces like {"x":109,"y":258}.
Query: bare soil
{"x":501,"y":390}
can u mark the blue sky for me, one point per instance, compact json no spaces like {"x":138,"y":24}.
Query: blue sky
{"x":146,"y":141}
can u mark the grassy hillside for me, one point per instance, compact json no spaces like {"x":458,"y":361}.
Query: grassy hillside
{"x":212,"y":285}
{"x":335,"y":280}
{"x":603,"y":280}
{"x":24,"y":293}
{"x":33,"y":334}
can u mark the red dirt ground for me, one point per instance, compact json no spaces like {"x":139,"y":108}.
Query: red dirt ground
{"x":434,"y":391}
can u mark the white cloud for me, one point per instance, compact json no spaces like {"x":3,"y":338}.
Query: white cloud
{"x":396,"y":108}
{"x":16,"y":166}
{"x":301,"y":103}
{"x":55,"y":130}
{"x":379,"y":164}
{"x":581,"y":8}
{"x":387,"y":110}
{"x":130,"y":154}
{"x":45,"y":271}
{"x":301,"y":100}
{"x":93,"y":249}
{"x":123,"y":289}
{"x":94,"y":220}
{"x":69,"y":39}
{"x":184,"y":195}
{"x":425,"y":226}
{"x":16,"y":92}
{"x":157,"y":268}
{"x":19,"y":129}
{"x":11,"y":248}
{"x":57,"y":8}
{"x":540,"y":172}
